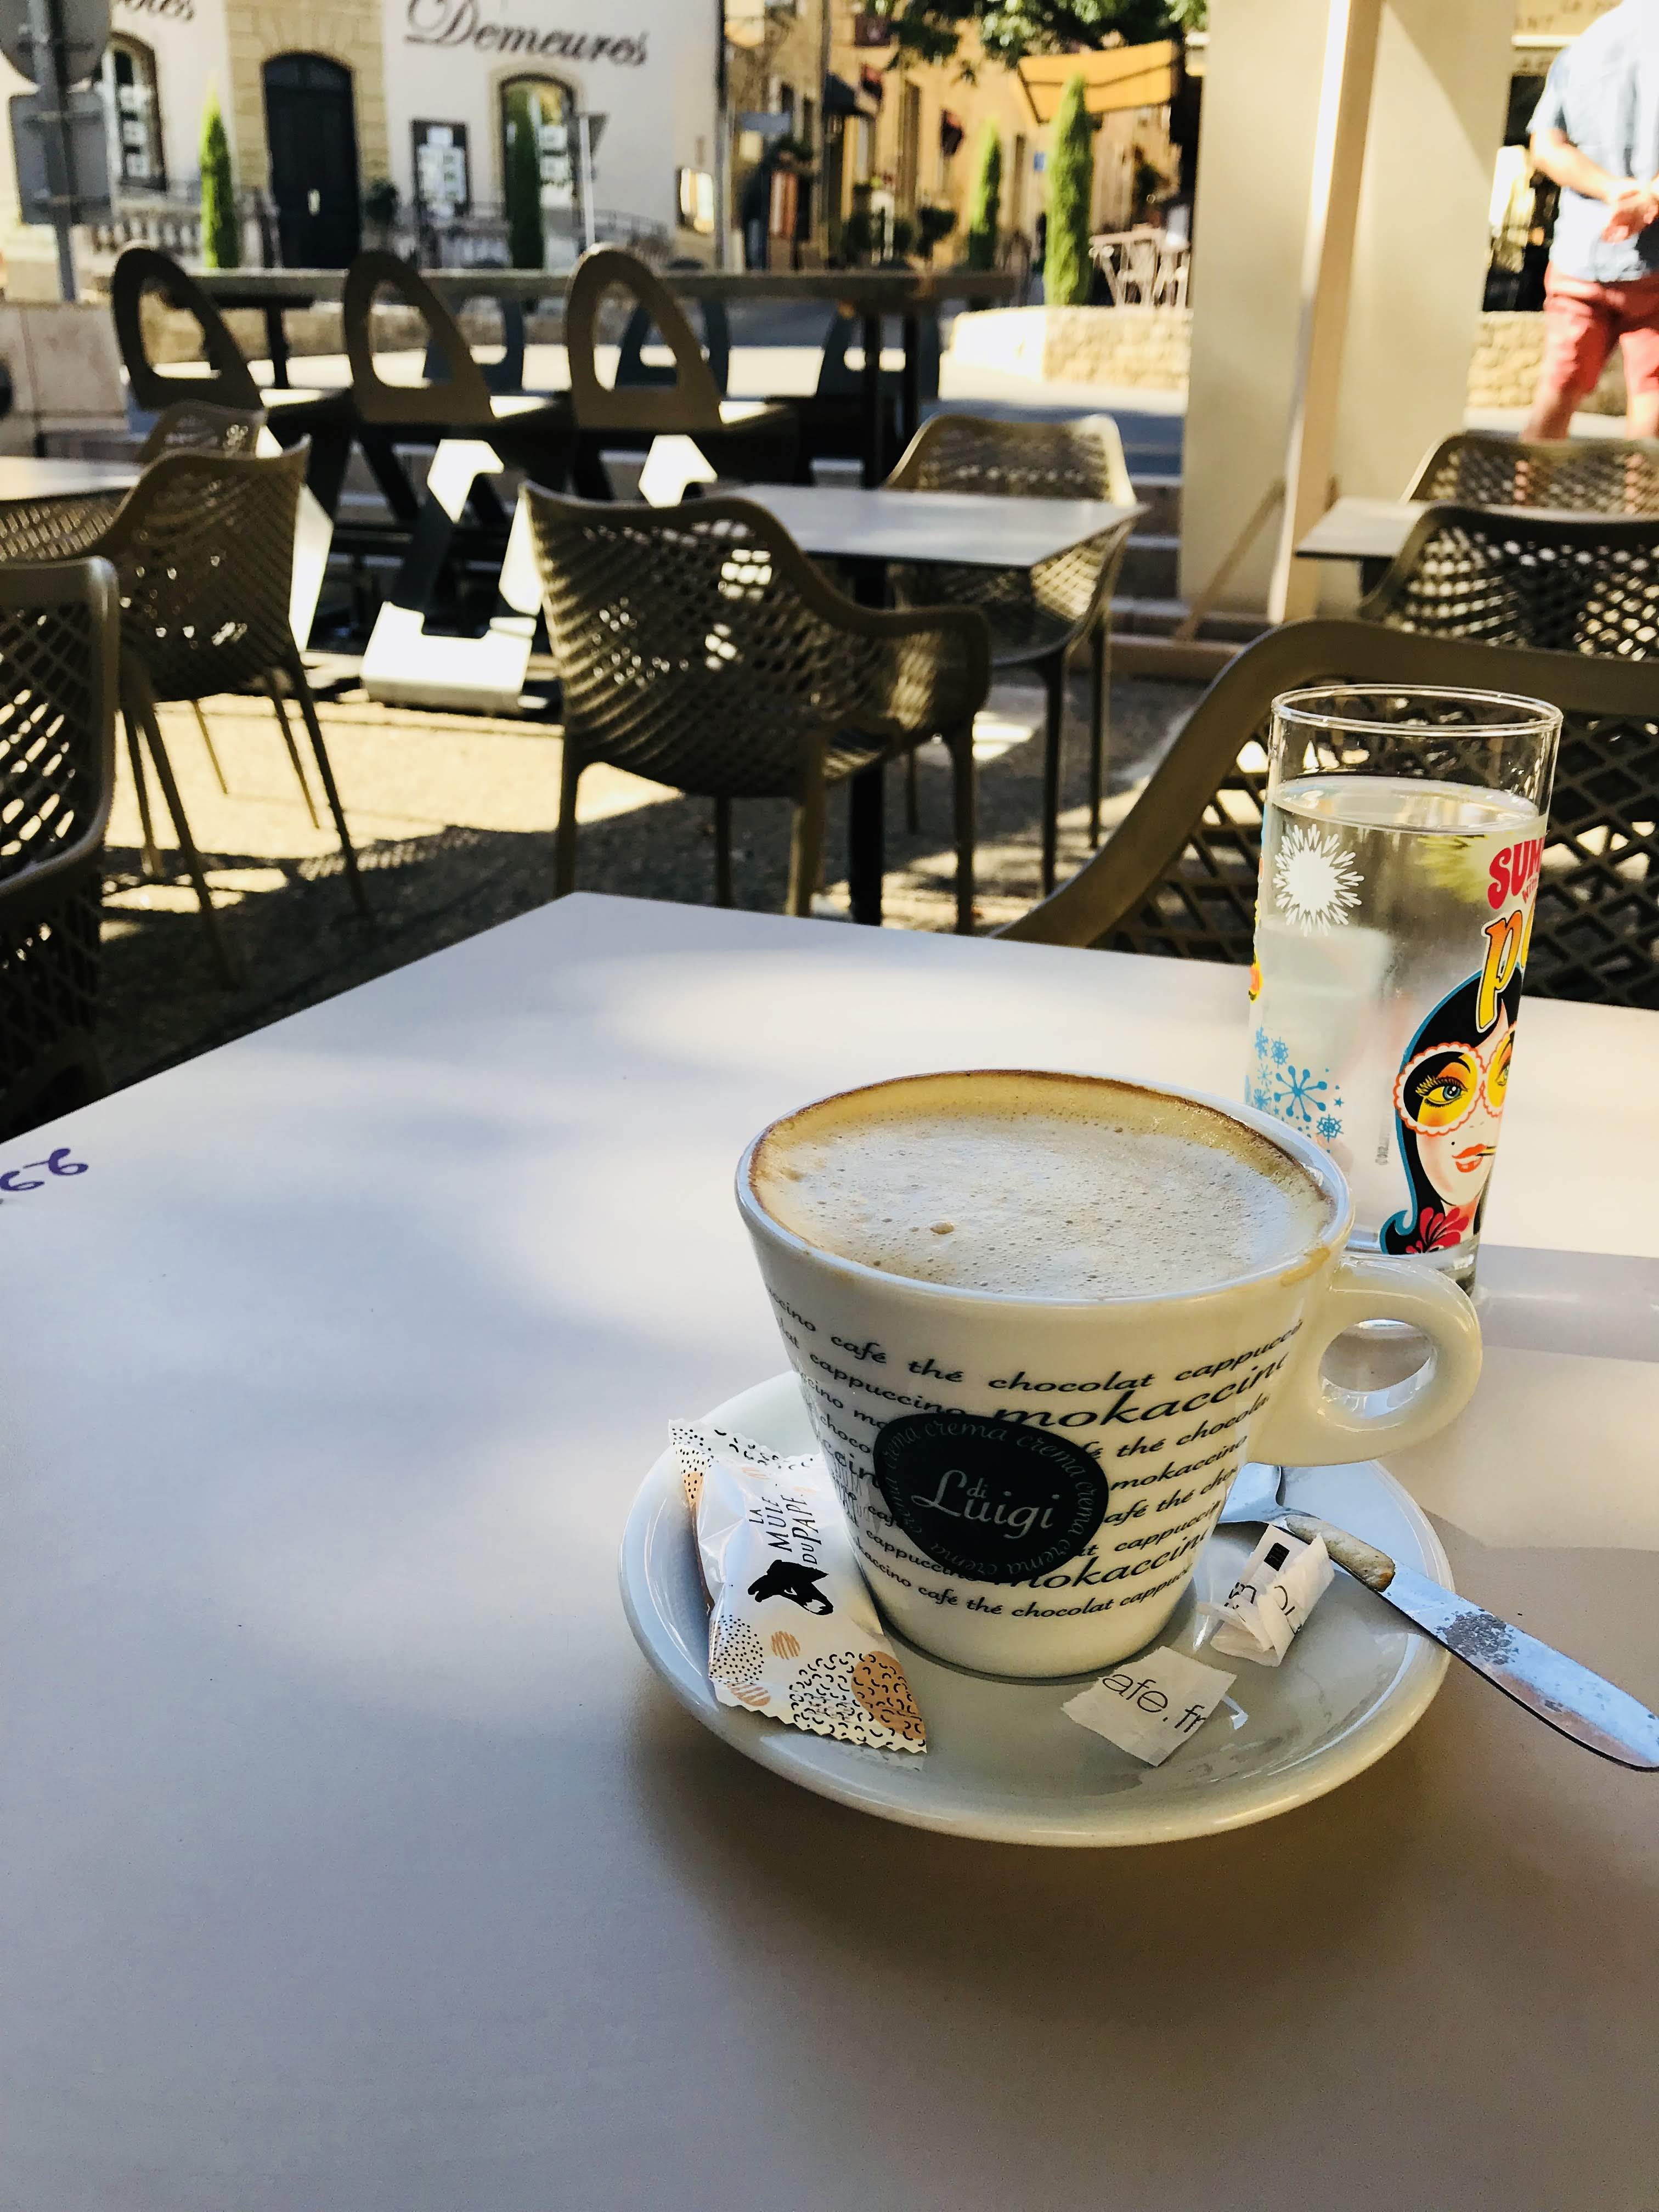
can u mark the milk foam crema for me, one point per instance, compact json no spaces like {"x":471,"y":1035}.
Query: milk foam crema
{"x":1037,"y":1186}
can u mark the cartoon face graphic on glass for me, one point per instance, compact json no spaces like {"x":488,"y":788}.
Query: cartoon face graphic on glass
{"x":1448,"y":1102}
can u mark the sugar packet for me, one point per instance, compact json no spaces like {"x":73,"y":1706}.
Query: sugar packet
{"x":1282,"y":1581}
{"x":792,"y":1631}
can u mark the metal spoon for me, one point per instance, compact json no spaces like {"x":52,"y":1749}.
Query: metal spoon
{"x":1552,"y":1687}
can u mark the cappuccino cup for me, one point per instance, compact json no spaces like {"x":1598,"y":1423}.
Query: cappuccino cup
{"x":1040,"y":1321}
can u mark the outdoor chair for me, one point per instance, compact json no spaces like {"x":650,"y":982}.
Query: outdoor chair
{"x":1550,"y":581}
{"x":59,"y":627}
{"x":294,"y":413}
{"x":634,"y":370}
{"x":198,"y":426}
{"x":1037,"y":616}
{"x":527,"y":432}
{"x":1178,"y":876}
{"x":750,"y":441}
{"x":697,"y":646}
{"x":203,"y":547}
{"x":1601,"y":475}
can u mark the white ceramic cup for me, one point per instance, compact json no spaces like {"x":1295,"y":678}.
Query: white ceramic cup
{"x":1097,"y":1439}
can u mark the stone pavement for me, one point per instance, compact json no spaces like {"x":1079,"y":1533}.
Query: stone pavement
{"x":452,"y":816}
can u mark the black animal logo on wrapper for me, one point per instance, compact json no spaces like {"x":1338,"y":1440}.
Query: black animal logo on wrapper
{"x":991,"y":1501}
{"x":783,"y":1578}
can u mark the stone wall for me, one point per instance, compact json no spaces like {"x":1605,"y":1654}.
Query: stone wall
{"x":1146,"y":350}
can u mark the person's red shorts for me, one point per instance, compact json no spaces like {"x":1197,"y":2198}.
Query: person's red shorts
{"x":1582,"y":320}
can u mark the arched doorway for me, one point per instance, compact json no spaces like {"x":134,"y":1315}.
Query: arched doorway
{"x":312,"y":130}
{"x":540,"y":152}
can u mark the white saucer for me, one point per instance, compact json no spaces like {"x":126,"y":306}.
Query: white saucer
{"x":1003,"y":1761}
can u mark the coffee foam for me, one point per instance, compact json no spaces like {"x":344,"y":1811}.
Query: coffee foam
{"x":1037,"y":1186}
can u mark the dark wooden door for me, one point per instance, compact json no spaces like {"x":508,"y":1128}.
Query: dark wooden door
{"x":312,"y":130}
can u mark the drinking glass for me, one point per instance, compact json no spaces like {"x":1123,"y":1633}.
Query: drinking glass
{"x":1400,"y":848}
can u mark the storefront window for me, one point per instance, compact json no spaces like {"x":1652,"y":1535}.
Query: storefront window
{"x":133,"y":116}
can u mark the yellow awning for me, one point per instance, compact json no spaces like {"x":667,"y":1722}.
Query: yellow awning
{"x":1116,"y":77}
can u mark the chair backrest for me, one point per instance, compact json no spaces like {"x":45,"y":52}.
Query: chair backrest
{"x":690,"y":402}
{"x":1178,"y":876}
{"x":1529,"y":578}
{"x":633,"y":370}
{"x":141,"y":269}
{"x":191,"y":427}
{"x":1600,"y":475}
{"x":1082,"y":459}
{"x":59,"y":627}
{"x":699,"y":646}
{"x":203,"y":546}
{"x":460,"y":401}
{"x":502,"y":376}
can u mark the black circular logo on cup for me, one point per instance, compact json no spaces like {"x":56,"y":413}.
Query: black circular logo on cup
{"x":991,"y":1501}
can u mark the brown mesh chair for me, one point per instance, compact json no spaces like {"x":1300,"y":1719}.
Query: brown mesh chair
{"x":748,"y":441}
{"x":59,"y":632}
{"x":204,"y":547}
{"x":699,"y":647}
{"x":1037,"y":616}
{"x":199,"y":426}
{"x":1178,"y":878}
{"x":1598,"y":476}
{"x":325,"y":417}
{"x":1537,"y":579}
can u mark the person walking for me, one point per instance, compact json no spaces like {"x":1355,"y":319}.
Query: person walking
{"x":1596,"y":134}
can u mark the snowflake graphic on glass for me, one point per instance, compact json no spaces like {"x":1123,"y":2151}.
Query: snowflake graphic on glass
{"x":1316,"y":882}
{"x":1308,"y":1098}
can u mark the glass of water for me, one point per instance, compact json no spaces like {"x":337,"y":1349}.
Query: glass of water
{"x":1401,"y":851}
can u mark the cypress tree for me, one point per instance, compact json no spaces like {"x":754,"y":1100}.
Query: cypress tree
{"x":221,"y":229}
{"x":1067,"y":272}
{"x":987,"y":201}
{"x":525,"y":244}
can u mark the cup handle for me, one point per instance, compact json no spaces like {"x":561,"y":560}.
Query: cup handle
{"x":1315,"y":1424}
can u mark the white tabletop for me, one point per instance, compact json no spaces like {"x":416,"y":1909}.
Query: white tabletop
{"x":1361,"y":530}
{"x":351,"y":1858}
{"x":842,"y":522}
{"x":21,"y":476}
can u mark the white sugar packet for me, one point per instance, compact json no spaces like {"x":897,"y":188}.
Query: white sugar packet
{"x":1152,"y":1706}
{"x":1268,"y":1605}
{"x":793,"y":1631}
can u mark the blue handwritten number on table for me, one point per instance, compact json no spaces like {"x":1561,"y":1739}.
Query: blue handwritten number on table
{"x":55,"y":1163}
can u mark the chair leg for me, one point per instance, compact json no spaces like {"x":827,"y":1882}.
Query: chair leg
{"x":192,"y":858}
{"x":1053,"y":676}
{"x":296,"y":673}
{"x":274,"y":694}
{"x":722,"y":852}
{"x":912,"y":795}
{"x":807,"y":842}
{"x":565,"y":837}
{"x":207,"y":739}
{"x":961,"y":743}
{"x":150,"y":862}
{"x":1099,"y":712}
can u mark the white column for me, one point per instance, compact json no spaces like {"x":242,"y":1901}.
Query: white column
{"x":1419,"y":250}
{"x":1262,"y":79}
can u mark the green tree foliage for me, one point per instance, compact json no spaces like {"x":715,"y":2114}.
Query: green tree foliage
{"x":1067,"y":272}
{"x":987,"y":201}
{"x":527,"y":245}
{"x":222,"y":230}
{"x":931,"y":30}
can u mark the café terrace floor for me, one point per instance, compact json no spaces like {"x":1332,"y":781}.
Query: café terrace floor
{"x":452,"y":816}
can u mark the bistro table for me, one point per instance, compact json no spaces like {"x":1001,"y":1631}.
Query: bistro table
{"x":870,"y":528}
{"x":1372,"y":531}
{"x":354,"y":1859}
{"x":24,"y":478}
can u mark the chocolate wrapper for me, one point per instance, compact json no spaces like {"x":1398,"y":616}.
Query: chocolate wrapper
{"x":792,"y":1633}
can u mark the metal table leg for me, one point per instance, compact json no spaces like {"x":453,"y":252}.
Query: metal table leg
{"x":871,"y":389}
{"x":910,"y":394}
{"x":866,"y":823}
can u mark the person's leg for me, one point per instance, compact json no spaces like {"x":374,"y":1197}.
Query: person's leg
{"x":1638,"y":341}
{"x":1579,"y":328}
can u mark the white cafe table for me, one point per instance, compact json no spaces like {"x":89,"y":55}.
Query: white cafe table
{"x":349,"y":1856}
{"x":978,"y":530}
{"x":24,"y":477}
